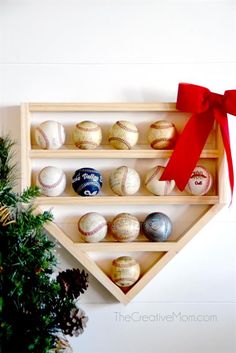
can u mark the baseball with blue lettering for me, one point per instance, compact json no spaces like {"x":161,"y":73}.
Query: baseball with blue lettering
{"x":87,"y":181}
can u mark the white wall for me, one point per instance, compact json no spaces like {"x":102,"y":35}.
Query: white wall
{"x":133,"y":50}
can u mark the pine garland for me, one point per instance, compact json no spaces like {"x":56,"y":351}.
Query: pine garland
{"x":34,"y":308}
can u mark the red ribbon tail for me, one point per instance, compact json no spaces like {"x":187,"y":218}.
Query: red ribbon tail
{"x":188,"y":149}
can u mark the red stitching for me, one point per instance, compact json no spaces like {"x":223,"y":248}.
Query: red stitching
{"x":125,"y":127}
{"x":52,"y":185}
{"x":120,"y":140}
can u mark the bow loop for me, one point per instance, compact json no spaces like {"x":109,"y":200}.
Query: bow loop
{"x":192,"y":98}
{"x":216,"y":100}
{"x":230,"y":101}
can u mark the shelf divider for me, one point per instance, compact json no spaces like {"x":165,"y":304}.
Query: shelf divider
{"x":127,"y":200}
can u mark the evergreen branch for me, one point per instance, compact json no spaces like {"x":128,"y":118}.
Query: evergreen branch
{"x":6,"y":166}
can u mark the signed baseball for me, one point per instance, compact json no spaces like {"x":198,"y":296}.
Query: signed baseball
{"x":124,"y":181}
{"x":92,"y":227}
{"x":125,"y":227}
{"x":162,"y":135}
{"x":50,"y":135}
{"x":156,"y":186}
{"x":87,"y":181}
{"x":123,"y":135}
{"x":125,"y":271}
{"x":200,"y":181}
{"x":51,"y":181}
{"x":87,"y":135}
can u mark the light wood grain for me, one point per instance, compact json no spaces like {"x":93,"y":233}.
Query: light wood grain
{"x":127,"y":200}
{"x":101,"y":107}
{"x":132,"y":246}
{"x":25,"y":147}
{"x":70,"y":153}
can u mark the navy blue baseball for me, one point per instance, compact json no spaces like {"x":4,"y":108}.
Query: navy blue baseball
{"x":87,"y":181}
{"x":157,"y":226}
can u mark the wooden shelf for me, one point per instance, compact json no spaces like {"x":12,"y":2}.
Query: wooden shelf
{"x":69,"y":152}
{"x":160,"y":253}
{"x":129,"y":246}
{"x":127,"y":200}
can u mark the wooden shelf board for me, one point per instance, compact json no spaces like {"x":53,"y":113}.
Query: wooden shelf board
{"x":142,"y":151}
{"x":101,"y":107}
{"x":129,"y":246}
{"x":127,"y":200}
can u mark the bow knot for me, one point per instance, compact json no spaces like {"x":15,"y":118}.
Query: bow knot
{"x":207,"y":107}
{"x":216,"y":100}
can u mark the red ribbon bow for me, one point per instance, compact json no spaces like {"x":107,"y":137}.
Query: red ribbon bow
{"x":206,"y":107}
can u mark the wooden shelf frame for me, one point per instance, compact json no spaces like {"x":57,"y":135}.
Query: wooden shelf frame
{"x":70,"y":153}
{"x":128,"y":200}
{"x":81,"y":251}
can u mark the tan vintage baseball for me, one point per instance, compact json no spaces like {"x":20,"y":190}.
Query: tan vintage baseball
{"x":50,"y":135}
{"x":124,"y":181}
{"x":125,"y":271}
{"x":162,"y":135}
{"x":51,"y":181}
{"x":156,"y":186}
{"x":87,"y":135}
{"x":92,"y":227}
{"x":123,"y":135}
{"x":200,"y":181}
{"x":125,"y":227}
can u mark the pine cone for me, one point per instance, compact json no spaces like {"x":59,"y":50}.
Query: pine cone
{"x":73,"y":282}
{"x":74,"y":324}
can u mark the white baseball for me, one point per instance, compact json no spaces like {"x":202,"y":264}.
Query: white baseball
{"x":50,"y":135}
{"x":123,"y":135}
{"x":87,"y":135}
{"x":156,"y":186}
{"x":92,"y":227}
{"x":162,"y":134}
{"x":51,"y":181}
{"x":124,"y":181}
{"x":200,"y":181}
{"x":125,"y":227}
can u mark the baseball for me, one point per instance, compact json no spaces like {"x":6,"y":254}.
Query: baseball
{"x":125,"y":271}
{"x":87,"y":181}
{"x":162,"y":135}
{"x":156,"y":186}
{"x":50,"y":135}
{"x":124,"y":181}
{"x":87,"y":135}
{"x":200,"y":181}
{"x":51,"y":181}
{"x":125,"y":227}
{"x":92,"y":227}
{"x":123,"y":135}
{"x":157,"y":226}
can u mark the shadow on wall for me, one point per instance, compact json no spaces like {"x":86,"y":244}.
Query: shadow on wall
{"x":10,"y":125}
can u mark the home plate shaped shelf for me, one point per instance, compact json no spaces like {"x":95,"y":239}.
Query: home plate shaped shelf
{"x":188,"y":213}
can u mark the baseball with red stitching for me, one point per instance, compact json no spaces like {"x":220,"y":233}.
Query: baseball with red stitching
{"x":162,"y":135}
{"x":51,"y":181}
{"x":50,"y":135}
{"x":123,"y":135}
{"x":87,"y":135}
{"x":156,"y":186}
{"x":92,"y":227}
{"x":124,"y":181}
{"x":125,"y":227}
{"x":200,"y":181}
{"x":125,"y":271}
